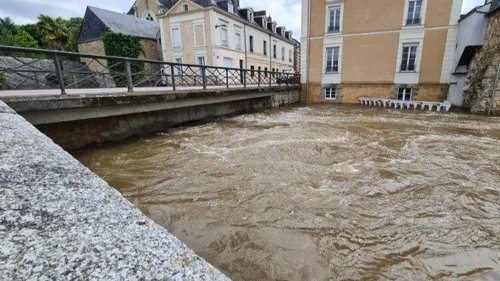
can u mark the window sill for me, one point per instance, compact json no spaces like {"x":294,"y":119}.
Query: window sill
{"x":413,"y":26}
{"x":334,"y":32}
{"x":407,"y":72}
{"x":331,"y":73}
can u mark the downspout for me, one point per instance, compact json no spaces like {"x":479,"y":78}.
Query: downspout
{"x":270,"y":55}
{"x":246,"y":53}
{"x":308,"y":47}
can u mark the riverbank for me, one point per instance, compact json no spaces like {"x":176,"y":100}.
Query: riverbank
{"x":59,"y":221}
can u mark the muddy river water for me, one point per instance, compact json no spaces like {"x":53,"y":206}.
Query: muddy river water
{"x":323,"y":192}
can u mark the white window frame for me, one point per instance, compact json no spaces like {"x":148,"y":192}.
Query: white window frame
{"x":332,"y":6}
{"x":290,"y":54}
{"x":237,"y":40}
{"x":175,"y":47}
{"x":282,"y":53}
{"x":198,"y":60}
{"x":327,"y":92}
{"x":417,"y":62}
{"x":250,"y":16}
{"x":405,"y":93}
{"x":264,"y":47}
{"x":179,"y":69}
{"x":326,"y":60}
{"x":422,"y":15}
{"x":185,"y":7}
{"x":230,"y":7}
{"x":224,"y":43}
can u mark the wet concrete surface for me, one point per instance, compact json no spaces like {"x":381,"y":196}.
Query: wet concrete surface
{"x":323,"y":192}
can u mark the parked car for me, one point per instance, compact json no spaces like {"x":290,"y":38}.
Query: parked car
{"x":288,"y":77}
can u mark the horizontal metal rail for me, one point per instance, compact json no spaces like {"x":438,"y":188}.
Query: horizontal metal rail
{"x":28,"y":68}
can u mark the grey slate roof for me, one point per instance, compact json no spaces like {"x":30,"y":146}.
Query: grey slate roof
{"x":495,"y":4}
{"x":97,"y":21}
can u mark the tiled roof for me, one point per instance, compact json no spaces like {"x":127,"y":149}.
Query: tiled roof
{"x":97,"y":21}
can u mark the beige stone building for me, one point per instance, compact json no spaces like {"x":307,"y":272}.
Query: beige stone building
{"x":219,"y":33}
{"x":401,"y":49}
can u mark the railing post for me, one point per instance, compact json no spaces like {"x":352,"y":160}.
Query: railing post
{"x":244,"y":78}
{"x":270,"y":78}
{"x":128,"y":73}
{"x":227,"y":78}
{"x":172,"y":71}
{"x":259,"y":79}
{"x":60,"y":76}
{"x":204,"y":77}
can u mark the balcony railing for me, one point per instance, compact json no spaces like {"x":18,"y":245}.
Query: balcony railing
{"x":36,"y":69}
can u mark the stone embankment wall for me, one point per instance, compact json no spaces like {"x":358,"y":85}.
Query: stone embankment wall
{"x":46,"y":76}
{"x":350,"y":93}
{"x":59,"y":221}
{"x":482,"y":71}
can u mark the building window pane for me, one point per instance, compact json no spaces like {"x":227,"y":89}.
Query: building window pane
{"x":251,"y":44}
{"x":201,"y":60}
{"x":177,"y":38}
{"x":405,"y":94}
{"x":223,"y":37}
{"x":238,"y":41}
{"x":252,"y":71}
{"x":185,"y":8}
{"x":282,"y":53}
{"x":265,"y":48}
{"x":331,"y":93}
{"x":332,"y":60}
{"x":178,"y":67}
{"x":414,"y":11}
{"x":409,"y":59}
{"x":334,"y":19}
{"x":274,"y":51}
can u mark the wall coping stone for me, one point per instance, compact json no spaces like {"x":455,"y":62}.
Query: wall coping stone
{"x":41,"y":103}
{"x":59,"y":221}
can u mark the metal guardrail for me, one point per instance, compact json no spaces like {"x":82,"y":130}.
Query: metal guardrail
{"x":27,"y":68}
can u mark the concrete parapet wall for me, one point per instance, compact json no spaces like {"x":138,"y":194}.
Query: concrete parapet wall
{"x":59,"y":221}
{"x":75,"y":122}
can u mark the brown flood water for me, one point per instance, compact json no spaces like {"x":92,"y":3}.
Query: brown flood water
{"x":323,"y":192}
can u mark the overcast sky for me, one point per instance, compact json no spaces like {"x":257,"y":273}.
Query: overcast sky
{"x":26,"y":11}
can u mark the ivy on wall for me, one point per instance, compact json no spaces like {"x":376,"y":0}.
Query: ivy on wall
{"x":121,"y":45}
{"x":3,"y":82}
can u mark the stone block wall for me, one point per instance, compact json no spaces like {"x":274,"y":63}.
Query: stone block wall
{"x":482,"y":71}
{"x":350,"y":93}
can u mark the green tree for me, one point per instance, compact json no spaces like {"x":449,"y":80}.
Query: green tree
{"x":13,"y":35}
{"x":74,"y":25}
{"x":56,"y":32}
{"x":34,"y":31}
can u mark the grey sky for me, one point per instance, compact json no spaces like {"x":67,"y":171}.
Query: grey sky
{"x":26,"y":11}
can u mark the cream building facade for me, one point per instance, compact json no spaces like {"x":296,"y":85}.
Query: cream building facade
{"x":218,"y":33}
{"x":401,"y":49}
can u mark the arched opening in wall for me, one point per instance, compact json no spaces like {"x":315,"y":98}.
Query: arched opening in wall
{"x":149,"y":15}
{"x":185,"y":8}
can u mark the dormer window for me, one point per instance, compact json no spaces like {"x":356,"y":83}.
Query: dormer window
{"x":230,"y":7}
{"x":264,"y":23}
{"x":185,"y":8}
{"x":250,"y":16}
